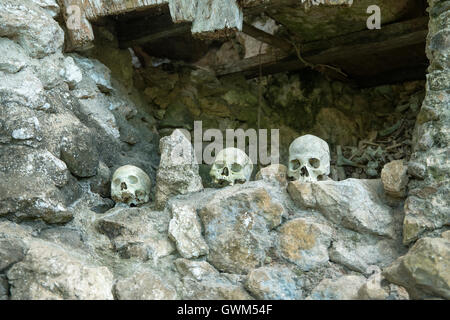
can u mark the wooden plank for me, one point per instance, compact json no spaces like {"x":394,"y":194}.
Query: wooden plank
{"x":362,"y":43}
{"x":80,"y":35}
{"x":266,"y":37}
{"x":95,"y":9}
{"x":176,"y":29}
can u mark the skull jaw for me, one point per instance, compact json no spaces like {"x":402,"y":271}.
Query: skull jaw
{"x":226,"y":181}
{"x":130,"y":198}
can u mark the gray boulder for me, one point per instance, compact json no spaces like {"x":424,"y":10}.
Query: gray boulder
{"x":354,"y":204}
{"x":343,"y":288}
{"x":31,"y":26}
{"x":305,"y":243}
{"x":186,"y":231}
{"x":50,"y":272}
{"x":137,"y":232}
{"x":144,"y":286}
{"x":274,"y":283}
{"x":425,"y":270}
{"x":238,"y":221}
{"x":178,"y":169}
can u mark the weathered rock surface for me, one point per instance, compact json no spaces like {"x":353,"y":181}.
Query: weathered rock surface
{"x":71,"y":73}
{"x":354,"y":204}
{"x":185,"y":229}
{"x":31,"y":182}
{"x":4,"y":288}
{"x":274,"y":283}
{"x":144,"y":286}
{"x":51,"y":6}
{"x":202,"y":282}
{"x":343,"y":288}
{"x":22,"y":87}
{"x":430,"y":210}
{"x":12,"y":56}
{"x":238,"y":224}
{"x":40,"y":38}
{"x":394,"y":178}
{"x":79,"y":153}
{"x":178,"y":168}
{"x":273,"y":173}
{"x":137,"y":232}
{"x":305,"y":243}
{"x":358,"y":252}
{"x":51,"y":272}
{"x":424,"y":271}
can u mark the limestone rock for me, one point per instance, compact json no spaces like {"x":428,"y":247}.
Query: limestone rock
{"x":51,"y":272}
{"x":185,"y":229}
{"x":343,"y":288}
{"x":137,"y":232}
{"x":372,"y":289}
{"x":12,"y":56}
{"x":31,"y":26}
{"x":305,"y":243}
{"x":94,"y":71}
{"x":198,"y":270}
{"x":144,"y":286}
{"x":394,"y":178}
{"x":424,"y":271}
{"x":237,"y":223}
{"x":273,"y":173}
{"x":79,"y":153}
{"x":355,"y":204}
{"x":11,"y":251}
{"x":178,"y":169}
{"x":4,"y":288}
{"x":22,"y":87}
{"x":51,"y":6}
{"x":274,"y":283}
{"x":33,"y":185}
{"x":358,"y":252}
{"x":97,"y":110}
{"x":202,"y":282}
{"x":71,"y":73}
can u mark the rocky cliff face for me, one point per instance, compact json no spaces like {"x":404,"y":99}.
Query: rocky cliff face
{"x":68,"y":121}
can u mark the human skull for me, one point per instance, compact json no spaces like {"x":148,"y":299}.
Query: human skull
{"x":231,"y":166}
{"x":309,"y":159}
{"x":130,"y":185}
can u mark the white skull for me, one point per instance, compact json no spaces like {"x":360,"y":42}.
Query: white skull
{"x":130,"y":185}
{"x":231,"y":166}
{"x":309,"y":159}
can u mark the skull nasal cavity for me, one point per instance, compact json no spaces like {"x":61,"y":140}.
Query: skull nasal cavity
{"x":123,"y":186}
{"x":225,"y":172}
{"x":304,"y":172}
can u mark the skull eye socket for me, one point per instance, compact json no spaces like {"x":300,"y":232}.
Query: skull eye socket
{"x":236,"y":167}
{"x":295,"y":164}
{"x":314,"y":162}
{"x":219,"y":165}
{"x":132,"y":179}
{"x":116,"y":181}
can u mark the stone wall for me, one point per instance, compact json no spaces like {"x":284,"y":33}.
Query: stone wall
{"x":428,"y":205}
{"x":68,"y":121}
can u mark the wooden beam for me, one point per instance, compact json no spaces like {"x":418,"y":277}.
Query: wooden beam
{"x":364,"y":43}
{"x":174,"y":30}
{"x":266,"y":37}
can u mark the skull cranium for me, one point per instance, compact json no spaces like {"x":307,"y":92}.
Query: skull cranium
{"x":130,"y":185}
{"x":231,"y":166}
{"x":309,"y":159}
